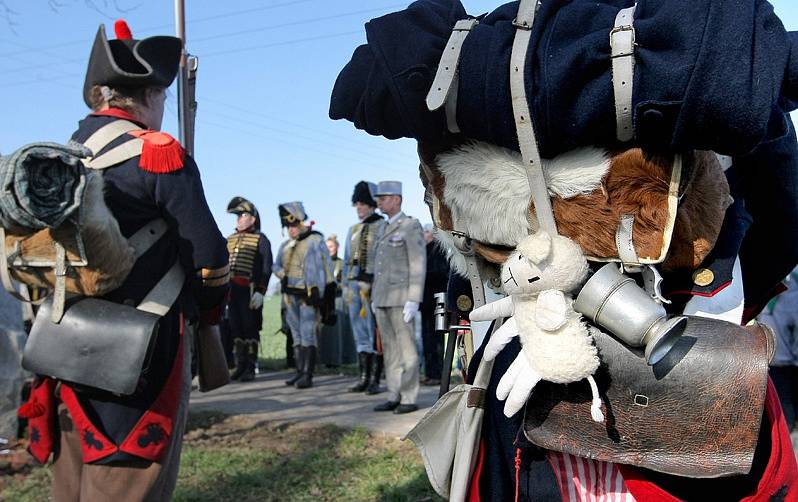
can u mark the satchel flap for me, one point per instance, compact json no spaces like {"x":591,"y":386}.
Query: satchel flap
{"x":98,"y":343}
{"x":696,"y":413}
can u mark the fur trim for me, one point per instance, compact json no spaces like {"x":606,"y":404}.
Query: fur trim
{"x":476,"y":172}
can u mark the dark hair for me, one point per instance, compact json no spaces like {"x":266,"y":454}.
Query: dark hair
{"x":129,"y":99}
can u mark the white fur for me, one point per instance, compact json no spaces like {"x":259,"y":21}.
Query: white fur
{"x":488,"y":192}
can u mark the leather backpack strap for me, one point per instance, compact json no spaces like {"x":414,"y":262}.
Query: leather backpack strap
{"x":107,"y":134}
{"x":622,"y":48}
{"x":523,"y":119}
{"x":160,"y":299}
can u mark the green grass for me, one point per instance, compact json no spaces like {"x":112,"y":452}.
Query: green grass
{"x":237,"y":459}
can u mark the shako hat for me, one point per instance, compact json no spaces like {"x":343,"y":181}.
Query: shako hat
{"x":127,"y":62}
{"x":292,"y":213}
{"x":389,"y":188}
{"x":239,"y":205}
{"x":364,"y":192}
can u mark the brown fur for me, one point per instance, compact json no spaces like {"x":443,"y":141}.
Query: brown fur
{"x":636,"y":183}
{"x":110,"y":257}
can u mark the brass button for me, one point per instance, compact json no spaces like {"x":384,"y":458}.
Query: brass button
{"x":703,"y":277}
{"x":464,"y":303}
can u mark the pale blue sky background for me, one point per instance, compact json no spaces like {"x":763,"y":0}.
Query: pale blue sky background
{"x":266,"y":71}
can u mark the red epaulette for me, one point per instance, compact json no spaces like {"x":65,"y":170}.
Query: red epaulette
{"x":160,"y":153}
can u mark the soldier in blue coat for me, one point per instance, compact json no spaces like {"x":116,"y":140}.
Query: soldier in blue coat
{"x":127,"y":447}
{"x":359,"y":260}
{"x":303,"y":266}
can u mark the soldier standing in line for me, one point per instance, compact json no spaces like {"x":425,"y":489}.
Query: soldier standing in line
{"x":359,"y":259}
{"x":396,"y":295}
{"x":303,"y":266}
{"x":250,"y":270}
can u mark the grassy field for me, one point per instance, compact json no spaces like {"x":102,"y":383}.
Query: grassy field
{"x":237,"y":459}
{"x":233,"y":458}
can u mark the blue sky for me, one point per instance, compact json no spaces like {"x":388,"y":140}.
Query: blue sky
{"x":266,"y":71}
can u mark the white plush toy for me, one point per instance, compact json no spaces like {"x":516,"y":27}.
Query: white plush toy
{"x":557,"y":345}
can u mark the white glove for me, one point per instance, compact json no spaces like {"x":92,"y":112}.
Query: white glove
{"x":256,"y":301}
{"x":409,"y":311}
{"x":516,"y":385}
{"x":506,"y":332}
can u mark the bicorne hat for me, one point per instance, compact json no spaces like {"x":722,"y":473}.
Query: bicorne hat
{"x":364,"y":192}
{"x":126,"y":62}
{"x":292,"y":213}
{"x":239,"y":205}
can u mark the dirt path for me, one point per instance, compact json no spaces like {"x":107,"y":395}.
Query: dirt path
{"x":327,"y":402}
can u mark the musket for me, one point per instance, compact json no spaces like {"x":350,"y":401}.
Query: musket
{"x":186,"y":84}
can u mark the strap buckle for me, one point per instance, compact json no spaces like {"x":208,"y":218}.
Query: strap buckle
{"x":621,"y":46}
{"x":522,"y":25}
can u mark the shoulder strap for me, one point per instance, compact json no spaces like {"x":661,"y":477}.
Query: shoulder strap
{"x":107,"y":134}
{"x":163,"y":295}
{"x":523,"y":119}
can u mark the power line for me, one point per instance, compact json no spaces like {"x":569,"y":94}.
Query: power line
{"x":279,"y":120}
{"x":277,"y":44}
{"x":299,"y":147}
{"x":162,"y":26}
{"x":310,"y":139}
{"x":294,"y":23}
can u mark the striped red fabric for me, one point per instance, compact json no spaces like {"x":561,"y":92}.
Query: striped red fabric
{"x":584,"y":480}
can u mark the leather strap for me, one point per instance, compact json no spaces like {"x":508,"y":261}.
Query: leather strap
{"x":446,"y":76}
{"x":59,"y":293}
{"x":103,"y":136}
{"x":622,"y":52}
{"x":115,"y":156}
{"x":163,"y":295}
{"x":523,"y":120}
{"x":624,"y":240}
{"x":147,"y":236}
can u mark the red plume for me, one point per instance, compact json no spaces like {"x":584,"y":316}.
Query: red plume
{"x":122,"y":30}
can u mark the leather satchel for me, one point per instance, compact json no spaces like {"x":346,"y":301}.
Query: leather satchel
{"x":212,"y":371}
{"x":696,"y":413}
{"x":99,"y":343}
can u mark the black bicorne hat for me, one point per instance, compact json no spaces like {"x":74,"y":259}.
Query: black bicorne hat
{"x":292,"y":213}
{"x":238,"y":205}
{"x":126,"y":62}
{"x":364,"y":192}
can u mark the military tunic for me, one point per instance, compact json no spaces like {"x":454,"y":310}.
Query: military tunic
{"x":360,"y":255}
{"x":250,"y":269}
{"x":398,"y":279}
{"x":146,"y":427}
{"x":303,"y":266}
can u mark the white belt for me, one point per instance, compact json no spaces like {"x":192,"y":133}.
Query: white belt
{"x":622,"y":47}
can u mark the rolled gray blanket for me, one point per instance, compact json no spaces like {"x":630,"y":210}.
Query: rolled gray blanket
{"x":41,"y":185}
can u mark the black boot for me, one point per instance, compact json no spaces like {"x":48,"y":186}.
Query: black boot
{"x":299,"y":357}
{"x":252,"y":359}
{"x":376,"y":373}
{"x":240,"y":354}
{"x":364,"y":360}
{"x":306,"y":380}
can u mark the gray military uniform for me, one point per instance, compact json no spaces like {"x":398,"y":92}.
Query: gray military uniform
{"x":399,"y":278}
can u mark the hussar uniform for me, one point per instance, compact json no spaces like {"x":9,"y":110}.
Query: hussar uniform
{"x":359,"y":259}
{"x":399,"y":283}
{"x":303,"y":266}
{"x":250,"y":270}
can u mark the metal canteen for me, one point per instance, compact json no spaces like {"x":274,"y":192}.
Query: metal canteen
{"x":615,"y":302}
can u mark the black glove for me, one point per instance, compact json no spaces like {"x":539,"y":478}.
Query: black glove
{"x":284,"y":283}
